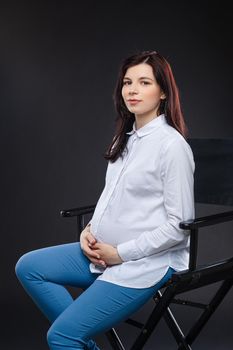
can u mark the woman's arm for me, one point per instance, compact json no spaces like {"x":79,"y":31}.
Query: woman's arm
{"x":177,"y":168}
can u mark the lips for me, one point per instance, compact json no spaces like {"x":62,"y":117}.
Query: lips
{"x":133,"y":101}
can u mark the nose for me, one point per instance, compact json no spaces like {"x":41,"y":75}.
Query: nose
{"x":133,"y":90}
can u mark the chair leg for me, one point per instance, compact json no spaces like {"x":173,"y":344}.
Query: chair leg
{"x":154,"y":318}
{"x":184,"y":347}
{"x":217,"y":299}
{"x":114,"y":340}
{"x":176,"y":331}
{"x":174,"y":327}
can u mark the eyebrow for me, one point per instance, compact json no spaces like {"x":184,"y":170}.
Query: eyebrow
{"x":139,"y":78}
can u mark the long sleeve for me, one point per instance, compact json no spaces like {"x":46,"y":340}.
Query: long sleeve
{"x":176,"y":171}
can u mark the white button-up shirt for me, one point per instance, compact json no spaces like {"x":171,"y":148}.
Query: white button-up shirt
{"x":146,"y":195}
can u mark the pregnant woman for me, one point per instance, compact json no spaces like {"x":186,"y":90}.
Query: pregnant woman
{"x":133,"y":243}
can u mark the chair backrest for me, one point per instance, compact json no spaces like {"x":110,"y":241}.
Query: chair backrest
{"x":214,"y":170}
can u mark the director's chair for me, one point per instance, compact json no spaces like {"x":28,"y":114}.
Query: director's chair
{"x":213,"y":185}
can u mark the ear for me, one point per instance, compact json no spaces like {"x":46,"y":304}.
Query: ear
{"x":163,"y":96}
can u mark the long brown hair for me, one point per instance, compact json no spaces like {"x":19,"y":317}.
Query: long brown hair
{"x":170,"y":106}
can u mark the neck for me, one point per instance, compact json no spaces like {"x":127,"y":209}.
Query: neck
{"x":140,"y":121}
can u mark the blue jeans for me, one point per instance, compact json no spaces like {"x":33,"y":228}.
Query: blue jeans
{"x":44,"y":273}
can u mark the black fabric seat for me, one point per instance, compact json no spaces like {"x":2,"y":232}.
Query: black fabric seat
{"x":213,"y":185}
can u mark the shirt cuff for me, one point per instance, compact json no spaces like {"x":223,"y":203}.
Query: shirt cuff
{"x":129,"y":251}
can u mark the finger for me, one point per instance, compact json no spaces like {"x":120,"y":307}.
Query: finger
{"x":98,"y":262}
{"x":97,"y":245}
{"x":91,"y":252}
{"x":98,"y":253}
{"x":91,"y":239}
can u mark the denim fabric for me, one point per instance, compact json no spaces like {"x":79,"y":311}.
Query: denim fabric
{"x":44,"y":273}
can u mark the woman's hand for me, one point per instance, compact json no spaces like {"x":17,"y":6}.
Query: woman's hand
{"x":107,"y":253}
{"x":87,"y":240}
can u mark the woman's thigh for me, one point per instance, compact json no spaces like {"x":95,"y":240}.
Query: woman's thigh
{"x":63,"y":264}
{"x":100,"y":307}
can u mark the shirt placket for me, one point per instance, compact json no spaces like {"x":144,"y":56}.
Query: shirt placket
{"x":117,"y":178}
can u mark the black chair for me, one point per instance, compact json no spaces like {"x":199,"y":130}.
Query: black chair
{"x":213,"y":185}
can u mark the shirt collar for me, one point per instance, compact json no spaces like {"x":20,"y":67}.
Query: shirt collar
{"x":149,"y":127}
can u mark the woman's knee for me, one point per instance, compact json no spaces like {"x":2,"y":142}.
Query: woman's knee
{"x":25,"y":265}
{"x":22,"y":265}
{"x":51,"y":337}
{"x":62,"y":336}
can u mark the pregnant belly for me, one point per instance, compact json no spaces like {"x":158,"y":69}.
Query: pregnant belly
{"x":113,"y":233}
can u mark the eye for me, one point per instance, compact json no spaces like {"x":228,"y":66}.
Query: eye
{"x":145,"y":83}
{"x":126,"y":82}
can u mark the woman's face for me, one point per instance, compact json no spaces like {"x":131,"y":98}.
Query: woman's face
{"x":141,"y":92}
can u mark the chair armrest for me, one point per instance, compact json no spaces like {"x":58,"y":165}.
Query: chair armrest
{"x":206,"y":220}
{"x":78,"y":211}
{"x":204,"y":274}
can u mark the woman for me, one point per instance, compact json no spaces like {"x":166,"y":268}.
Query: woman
{"x":133,"y":243}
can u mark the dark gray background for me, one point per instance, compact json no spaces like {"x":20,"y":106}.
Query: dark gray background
{"x":59,"y":62}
